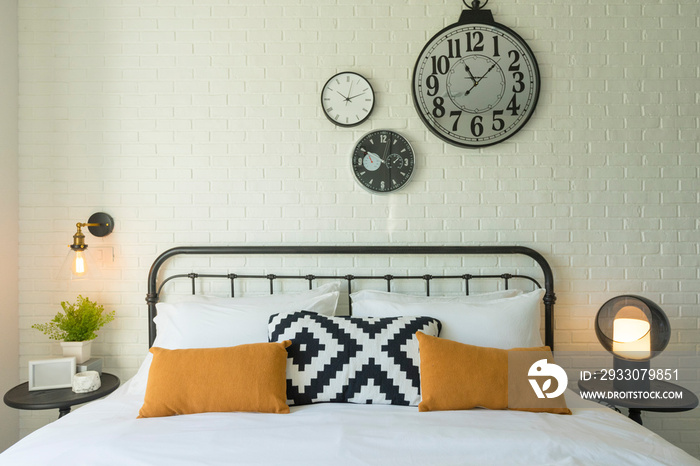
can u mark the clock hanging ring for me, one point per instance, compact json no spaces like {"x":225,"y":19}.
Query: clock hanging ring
{"x":476,"y":82}
{"x":476,"y":4}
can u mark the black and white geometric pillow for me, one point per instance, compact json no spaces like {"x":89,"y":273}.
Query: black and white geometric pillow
{"x":354,"y":360}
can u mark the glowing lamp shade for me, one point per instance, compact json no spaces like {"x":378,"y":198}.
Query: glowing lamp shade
{"x":631,"y":338}
{"x":632,"y":328}
{"x":80,"y":265}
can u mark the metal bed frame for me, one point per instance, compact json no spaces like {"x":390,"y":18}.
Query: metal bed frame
{"x":155,"y":287}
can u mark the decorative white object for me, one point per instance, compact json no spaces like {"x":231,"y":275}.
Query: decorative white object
{"x":79,"y":349}
{"x":51,"y":373}
{"x":88,"y":381}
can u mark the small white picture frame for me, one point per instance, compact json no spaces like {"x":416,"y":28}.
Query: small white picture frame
{"x":47,"y":374}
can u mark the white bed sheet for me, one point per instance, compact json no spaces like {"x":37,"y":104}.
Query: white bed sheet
{"x":106,"y":432}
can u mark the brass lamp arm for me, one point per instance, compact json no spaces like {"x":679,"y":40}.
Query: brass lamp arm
{"x":100,"y":224}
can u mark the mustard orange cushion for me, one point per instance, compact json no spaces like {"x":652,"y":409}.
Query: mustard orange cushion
{"x":456,"y":376}
{"x":248,"y":378}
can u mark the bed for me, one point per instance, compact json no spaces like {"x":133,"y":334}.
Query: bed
{"x":369,"y":423}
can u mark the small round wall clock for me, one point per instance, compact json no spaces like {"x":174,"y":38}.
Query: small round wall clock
{"x":347,"y":99}
{"x":383,"y":161}
{"x":476,"y":82}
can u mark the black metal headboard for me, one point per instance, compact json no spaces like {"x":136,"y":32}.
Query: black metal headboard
{"x":154,"y":288}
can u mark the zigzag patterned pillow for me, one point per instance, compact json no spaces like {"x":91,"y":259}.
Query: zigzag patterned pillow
{"x":355,"y":360}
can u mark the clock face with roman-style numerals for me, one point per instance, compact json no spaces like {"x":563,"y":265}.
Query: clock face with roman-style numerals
{"x":382,"y":161}
{"x":347,"y":99}
{"x":475,"y":84}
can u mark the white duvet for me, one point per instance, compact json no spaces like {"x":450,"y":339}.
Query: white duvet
{"x":106,"y":432}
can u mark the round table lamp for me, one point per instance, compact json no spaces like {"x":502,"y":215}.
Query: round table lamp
{"x":634,"y":329}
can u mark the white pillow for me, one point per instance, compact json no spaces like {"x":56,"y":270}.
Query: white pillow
{"x":137,"y":384}
{"x":365,"y":295}
{"x":210,"y":322}
{"x":196,"y":323}
{"x":504,"y":323}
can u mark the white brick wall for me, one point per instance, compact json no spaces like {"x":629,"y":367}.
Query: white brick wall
{"x":198,"y":123}
{"x":9,"y":213}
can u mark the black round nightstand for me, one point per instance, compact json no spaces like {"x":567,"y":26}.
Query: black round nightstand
{"x":686,"y":402}
{"x":62,"y":398}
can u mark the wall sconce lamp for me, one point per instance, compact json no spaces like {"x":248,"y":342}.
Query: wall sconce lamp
{"x":79,"y":263}
{"x":634,"y":329}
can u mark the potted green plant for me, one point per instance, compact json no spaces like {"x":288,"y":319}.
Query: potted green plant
{"x":77,"y":327}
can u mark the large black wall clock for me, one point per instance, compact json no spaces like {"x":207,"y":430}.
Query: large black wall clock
{"x":383,"y":161}
{"x":476,"y":82}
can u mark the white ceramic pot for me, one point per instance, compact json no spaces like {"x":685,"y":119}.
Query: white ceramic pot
{"x":79,"y":349}
{"x":85,"y":382}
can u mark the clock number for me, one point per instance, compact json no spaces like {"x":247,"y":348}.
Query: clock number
{"x":438,"y":109}
{"x":478,"y":45}
{"x":477,"y":127}
{"x":359,"y":161}
{"x":454,"y":47}
{"x":458,"y":114}
{"x":382,"y":138}
{"x":433,"y":85}
{"x":495,"y":47}
{"x":518,"y":76}
{"x":514,"y":66}
{"x":441,"y":64}
{"x":513,"y":106}
{"x":498,"y":123}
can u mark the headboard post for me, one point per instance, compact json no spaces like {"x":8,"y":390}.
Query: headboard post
{"x":549,"y":297}
{"x":151,"y":299}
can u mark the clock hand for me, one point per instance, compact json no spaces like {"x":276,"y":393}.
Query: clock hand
{"x":489,"y":70}
{"x":388,"y":165}
{"x":386,"y":149}
{"x":356,"y":95}
{"x":476,"y":83}
{"x":466,"y":68}
{"x":385,"y":158}
{"x":371,"y":154}
{"x":473,"y":86}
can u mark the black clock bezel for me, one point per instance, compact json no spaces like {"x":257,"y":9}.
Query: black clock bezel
{"x":477,"y":19}
{"x":377,"y":131}
{"x":348,"y":125}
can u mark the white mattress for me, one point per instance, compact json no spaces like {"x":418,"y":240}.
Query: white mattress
{"x":106,"y":432}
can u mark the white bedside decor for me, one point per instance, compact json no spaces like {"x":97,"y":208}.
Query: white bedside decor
{"x":80,"y":349}
{"x":48,"y":374}
{"x":85,"y":382}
